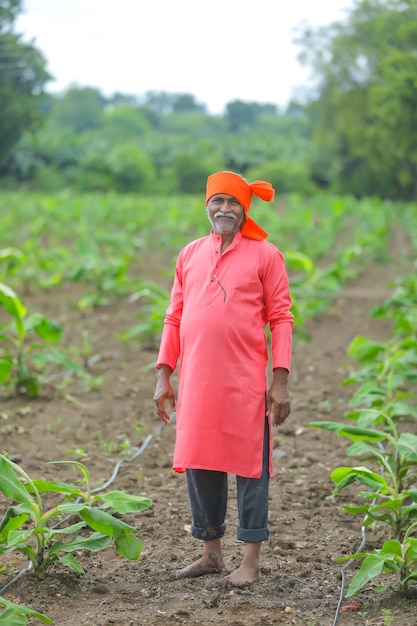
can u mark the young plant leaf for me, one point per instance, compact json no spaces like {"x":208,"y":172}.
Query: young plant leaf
{"x":127,"y":545}
{"x":373,"y":565}
{"x":126,"y":503}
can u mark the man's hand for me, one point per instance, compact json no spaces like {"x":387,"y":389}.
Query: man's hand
{"x":278,"y":397}
{"x":164,"y":391}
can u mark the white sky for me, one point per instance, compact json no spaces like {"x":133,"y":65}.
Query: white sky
{"x":218,"y":50}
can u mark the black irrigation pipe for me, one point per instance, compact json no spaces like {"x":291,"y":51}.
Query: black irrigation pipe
{"x":104,"y":486}
{"x":345,"y":567}
{"x":14,"y":580}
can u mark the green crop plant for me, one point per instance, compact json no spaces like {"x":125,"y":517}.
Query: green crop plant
{"x":393,"y":498}
{"x":10,"y":260}
{"x":107,"y":275}
{"x":19,"y":615}
{"x":387,"y":369}
{"x":390,"y":499}
{"x":42,"y":535}
{"x":154,"y":300}
{"x":401,"y":306}
{"x":22,"y":355}
{"x":397,"y":558}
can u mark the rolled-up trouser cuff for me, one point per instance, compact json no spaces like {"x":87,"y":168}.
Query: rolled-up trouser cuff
{"x":253,"y":535}
{"x":207,"y":534}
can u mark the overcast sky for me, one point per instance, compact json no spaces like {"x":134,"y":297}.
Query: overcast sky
{"x":217,"y":50}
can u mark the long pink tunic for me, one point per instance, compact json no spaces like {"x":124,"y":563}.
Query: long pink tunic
{"x":220,"y":305}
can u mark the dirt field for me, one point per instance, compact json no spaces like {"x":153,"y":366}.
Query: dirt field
{"x":300,"y":583}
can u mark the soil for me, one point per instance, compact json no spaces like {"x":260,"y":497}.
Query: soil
{"x":300,"y":582}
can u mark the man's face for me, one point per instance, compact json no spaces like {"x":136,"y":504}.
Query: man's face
{"x":225,"y":214}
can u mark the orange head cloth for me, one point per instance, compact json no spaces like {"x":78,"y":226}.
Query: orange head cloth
{"x":235,"y":185}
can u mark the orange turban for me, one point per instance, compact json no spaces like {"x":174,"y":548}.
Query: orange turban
{"x":235,"y":185}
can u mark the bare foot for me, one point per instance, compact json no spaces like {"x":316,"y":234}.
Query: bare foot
{"x":243,"y":575}
{"x":201,"y":567}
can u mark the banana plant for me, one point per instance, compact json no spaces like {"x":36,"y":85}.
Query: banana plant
{"x":22,"y":356}
{"x":41,"y":533}
{"x":397,"y":558}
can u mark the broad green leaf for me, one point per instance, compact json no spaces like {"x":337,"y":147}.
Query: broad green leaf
{"x":11,"y":302}
{"x":103,"y":522}
{"x":361,"y":448}
{"x":92,"y":543}
{"x":13,"y":305}
{"x":67,"y":530}
{"x":392,"y":547}
{"x":6,"y":368}
{"x":70,"y":508}
{"x":9,"y":617}
{"x":299,"y":261}
{"x":407,"y":445}
{"x":412,"y":541}
{"x":372,"y":566}
{"x":364,"y":418}
{"x":413,"y":494}
{"x":45,"y":486}
{"x":10,"y":485}
{"x":52,"y":355}
{"x":343,"y":476}
{"x":363,"y":349}
{"x":70,"y":561}
{"x":12,"y":519}
{"x":350,"y":508}
{"x":19,"y":536}
{"x":126,"y":503}
{"x":353,"y":432}
{"x":11,"y":253}
{"x":48,"y":330}
{"x":368,"y":393}
{"x":127,"y":545}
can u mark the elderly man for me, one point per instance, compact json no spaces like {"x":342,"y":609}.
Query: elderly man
{"x":228,"y":286}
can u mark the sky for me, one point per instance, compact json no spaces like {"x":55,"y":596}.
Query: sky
{"x":216,"y":50}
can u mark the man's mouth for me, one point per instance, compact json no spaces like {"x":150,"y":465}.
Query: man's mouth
{"x":226,"y":215}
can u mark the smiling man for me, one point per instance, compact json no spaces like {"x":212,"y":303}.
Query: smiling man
{"x":228,"y":287}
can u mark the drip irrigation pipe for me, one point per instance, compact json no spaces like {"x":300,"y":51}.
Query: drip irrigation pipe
{"x":14,"y":580}
{"x":345,"y":567}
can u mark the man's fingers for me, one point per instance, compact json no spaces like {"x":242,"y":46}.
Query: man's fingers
{"x":280,"y":414}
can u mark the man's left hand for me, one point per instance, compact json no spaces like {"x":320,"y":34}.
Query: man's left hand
{"x":278,"y":399}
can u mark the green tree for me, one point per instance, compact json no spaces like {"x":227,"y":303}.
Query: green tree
{"x":79,"y":109}
{"x":365,"y":111}
{"x":125,"y":122}
{"x":22,"y":78}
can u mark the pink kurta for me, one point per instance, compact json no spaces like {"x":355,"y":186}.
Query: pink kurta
{"x":220,"y":305}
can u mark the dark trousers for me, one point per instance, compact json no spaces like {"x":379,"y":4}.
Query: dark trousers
{"x":207,"y":492}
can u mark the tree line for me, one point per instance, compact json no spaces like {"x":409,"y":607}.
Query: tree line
{"x":353,"y":132}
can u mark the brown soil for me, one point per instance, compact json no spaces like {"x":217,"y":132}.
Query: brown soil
{"x":300,"y":582}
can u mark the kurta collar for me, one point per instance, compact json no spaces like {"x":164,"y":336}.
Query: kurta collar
{"x":217,"y":239}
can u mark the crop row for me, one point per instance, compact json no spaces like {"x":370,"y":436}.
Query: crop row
{"x":380,"y":424}
{"x":106,"y":244}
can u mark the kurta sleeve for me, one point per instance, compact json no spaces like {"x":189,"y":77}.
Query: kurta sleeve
{"x":169,"y":349}
{"x":278,"y":310}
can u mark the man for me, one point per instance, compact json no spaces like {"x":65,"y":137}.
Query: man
{"x":228,"y":286}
